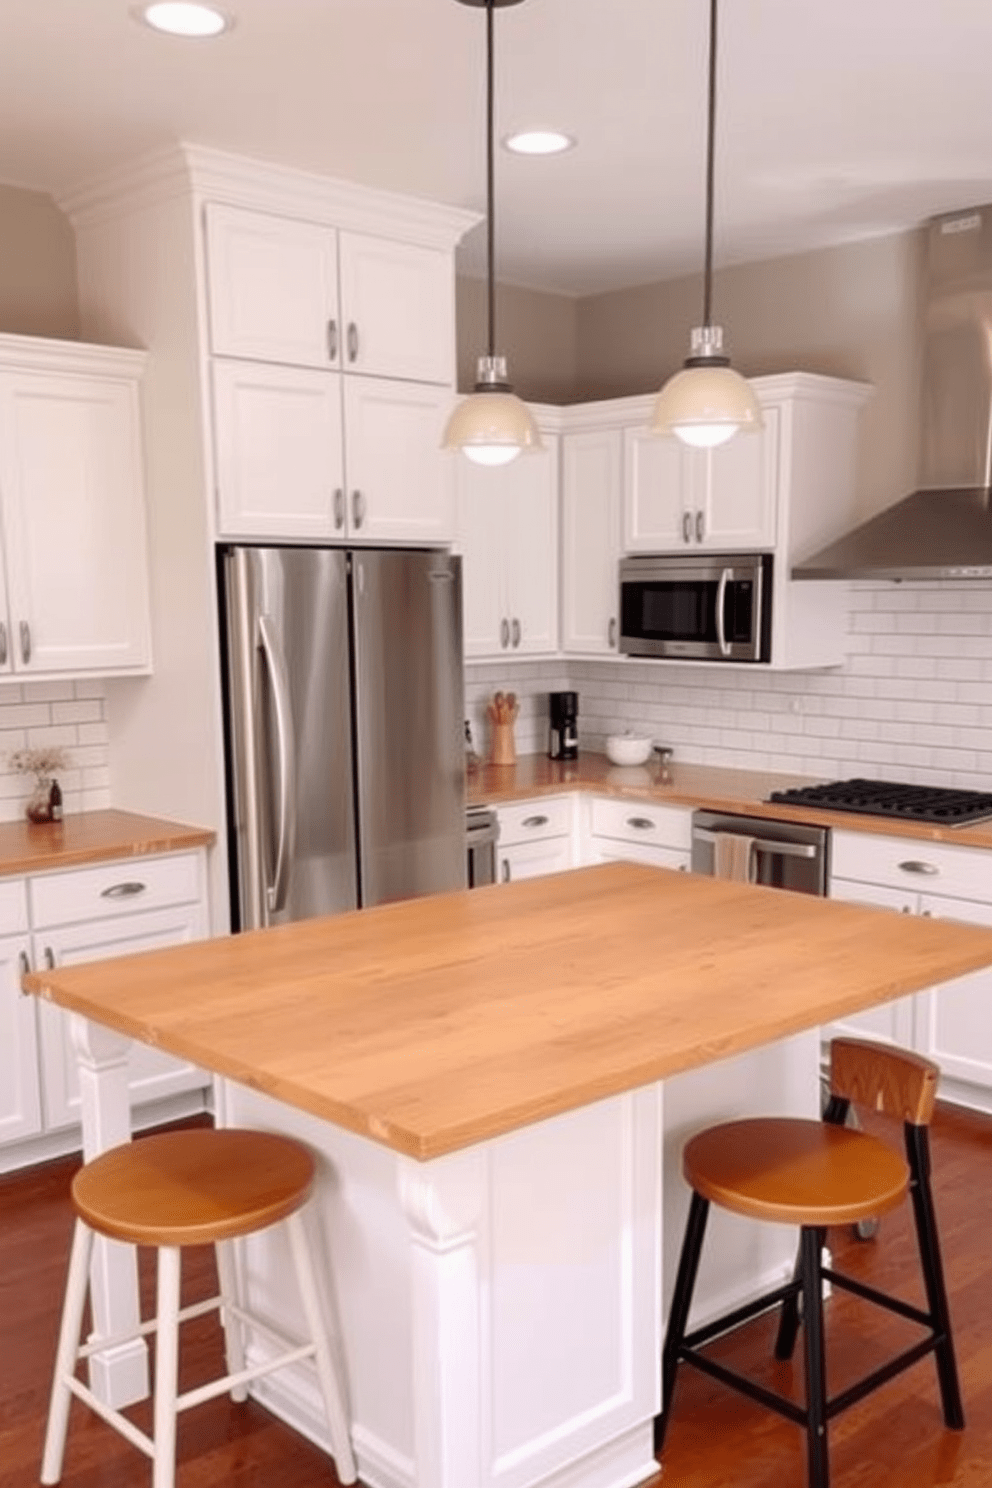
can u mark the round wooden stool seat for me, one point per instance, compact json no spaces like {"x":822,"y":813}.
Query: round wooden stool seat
{"x":193,"y":1187}
{"x":795,"y":1172}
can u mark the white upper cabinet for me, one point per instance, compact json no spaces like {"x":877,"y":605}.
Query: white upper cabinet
{"x":73,"y":509}
{"x":273,"y":288}
{"x":279,"y":449}
{"x":274,"y":297}
{"x":591,"y":494}
{"x":724,"y":499}
{"x":508,"y":538}
{"x":332,"y":374}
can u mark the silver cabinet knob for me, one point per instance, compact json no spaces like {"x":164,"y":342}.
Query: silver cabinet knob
{"x":357,"y":509}
{"x":700,"y":526}
{"x":25,"y":642}
{"x":338,"y":508}
{"x":130,"y":888}
{"x":504,"y":871}
{"x":504,"y":633}
{"x":917,"y":865}
{"x":49,"y":958}
{"x":516,"y":633}
{"x":611,"y":633}
{"x":687,"y":526}
{"x":352,"y":341}
{"x":332,"y":340}
{"x":533,"y":822}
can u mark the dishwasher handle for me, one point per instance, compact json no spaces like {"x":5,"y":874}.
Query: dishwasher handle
{"x":761,"y":844}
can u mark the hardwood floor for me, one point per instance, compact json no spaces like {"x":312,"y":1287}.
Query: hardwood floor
{"x":896,"y":1437}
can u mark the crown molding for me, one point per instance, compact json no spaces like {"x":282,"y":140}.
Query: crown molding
{"x":204,"y":175}
{"x":46,"y":354}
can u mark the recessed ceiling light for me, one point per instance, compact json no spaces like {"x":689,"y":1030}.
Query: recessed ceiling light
{"x":538,"y":142}
{"x":184,"y":18}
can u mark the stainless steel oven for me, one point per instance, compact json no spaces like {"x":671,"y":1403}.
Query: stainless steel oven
{"x":755,"y":849}
{"x":481,"y":834}
{"x":701,"y":607}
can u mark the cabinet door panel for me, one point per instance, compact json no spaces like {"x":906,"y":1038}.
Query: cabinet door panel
{"x":590,"y":541}
{"x":534,"y":859}
{"x":395,"y":461}
{"x":891,"y":1022}
{"x":20,"y":1103}
{"x":954,"y":1021}
{"x":740,"y":483}
{"x":399,"y":309}
{"x":279,"y":451}
{"x":485,"y":613}
{"x":531,"y":548}
{"x":71,"y":482}
{"x":657,"y":494}
{"x":273,"y":290}
{"x":152,"y":1075}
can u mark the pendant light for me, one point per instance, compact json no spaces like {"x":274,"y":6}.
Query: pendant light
{"x":707,"y":402}
{"x":491,"y":426}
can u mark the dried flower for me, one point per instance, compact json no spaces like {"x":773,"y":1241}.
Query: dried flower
{"x":43,"y":761}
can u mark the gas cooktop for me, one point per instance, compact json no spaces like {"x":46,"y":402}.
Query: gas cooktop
{"x":921,"y":803}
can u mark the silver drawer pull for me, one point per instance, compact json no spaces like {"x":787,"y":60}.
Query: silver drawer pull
{"x":761,"y":844}
{"x":126,"y":890}
{"x":332,"y":340}
{"x":916,"y":865}
{"x":535,"y":821}
{"x":25,"y":966}
{"x":640,"y":823}
{"x":504,"y":871}
{"x":49,"y":958}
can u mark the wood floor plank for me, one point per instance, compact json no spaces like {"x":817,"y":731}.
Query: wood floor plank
{"x":895,"y":1439}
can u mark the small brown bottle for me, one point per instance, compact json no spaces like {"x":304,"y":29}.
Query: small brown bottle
{"x":55,"y":802}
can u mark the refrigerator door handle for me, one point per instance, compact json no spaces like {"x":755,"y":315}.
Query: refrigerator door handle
{"x":276,"y":891}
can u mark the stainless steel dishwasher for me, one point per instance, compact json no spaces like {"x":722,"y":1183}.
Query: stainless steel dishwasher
{"x":782,"y":855}
{"x":481,"y":836}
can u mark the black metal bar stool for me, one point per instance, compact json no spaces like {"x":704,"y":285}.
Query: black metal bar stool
{"x":814,"y":1174}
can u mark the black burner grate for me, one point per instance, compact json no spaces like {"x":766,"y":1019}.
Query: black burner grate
{"x":923,"y":803}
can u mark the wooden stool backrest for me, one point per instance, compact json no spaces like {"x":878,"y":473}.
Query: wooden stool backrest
{"x":883,"y":1079}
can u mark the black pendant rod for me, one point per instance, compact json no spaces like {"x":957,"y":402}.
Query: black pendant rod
{"x":490,"y":173}
{"x":710,"y":131}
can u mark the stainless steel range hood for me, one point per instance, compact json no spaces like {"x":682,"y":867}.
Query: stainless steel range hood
{"x":943,"y":530}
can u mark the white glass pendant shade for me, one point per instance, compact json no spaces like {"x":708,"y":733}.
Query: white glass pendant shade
{"x":491,"y":426}
{"x":706,"y":403}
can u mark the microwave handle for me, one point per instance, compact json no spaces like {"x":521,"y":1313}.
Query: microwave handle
{"x":721,"y":596}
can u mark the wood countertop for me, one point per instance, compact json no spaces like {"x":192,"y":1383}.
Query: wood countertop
{"x":710,"y":787}
{"x":433,"y":1024}
{"x":91,"y":837}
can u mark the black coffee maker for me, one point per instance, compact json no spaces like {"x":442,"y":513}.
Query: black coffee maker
{"x":563,"y":742}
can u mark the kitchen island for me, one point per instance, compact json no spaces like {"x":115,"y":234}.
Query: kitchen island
{"x":484,"y":1075}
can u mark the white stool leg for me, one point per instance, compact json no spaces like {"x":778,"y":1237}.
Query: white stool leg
{"x":330,"y":1385}
{"x":166,"y":1367}
{"x":65,"y":1355}
{"x":233,"y":1340}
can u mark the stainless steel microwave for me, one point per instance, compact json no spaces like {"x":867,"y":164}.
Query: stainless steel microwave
{"x":700,"y":607}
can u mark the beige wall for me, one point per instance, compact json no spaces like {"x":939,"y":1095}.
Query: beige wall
{"x":37,"y":267}
{"x":535,"y":332}
{"x":851,"y":311}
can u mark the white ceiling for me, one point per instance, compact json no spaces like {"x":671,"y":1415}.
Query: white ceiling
{"x":837,"y":120}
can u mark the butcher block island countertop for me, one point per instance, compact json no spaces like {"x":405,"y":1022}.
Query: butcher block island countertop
{"x":712,"y":787}
{"x":434,"y":1024}
{"x":91,"y":837}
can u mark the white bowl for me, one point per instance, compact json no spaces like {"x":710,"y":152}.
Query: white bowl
{"x":629,"y":749}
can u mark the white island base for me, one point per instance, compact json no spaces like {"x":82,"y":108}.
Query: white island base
{"x":500,"y":1311}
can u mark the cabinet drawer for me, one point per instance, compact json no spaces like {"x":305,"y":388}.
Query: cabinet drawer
{"x":122,"y":887}
{"x":529,"y":821}
{"x":13,"y":906}
{"x":912,"y":864}
{"x":638,"y":821}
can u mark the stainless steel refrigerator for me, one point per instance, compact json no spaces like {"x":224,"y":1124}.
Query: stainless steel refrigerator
{"x":344,"y":731}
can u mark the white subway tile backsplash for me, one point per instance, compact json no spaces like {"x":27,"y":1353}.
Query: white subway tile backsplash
{"x":913,"y":701}
{"x":69,"y":714}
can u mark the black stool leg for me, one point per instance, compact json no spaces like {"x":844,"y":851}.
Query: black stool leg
{"x":918,"y":1153}
{"x":810,"y":1247}
{"x":685,"y":1281}
{"x":788,"y":1323}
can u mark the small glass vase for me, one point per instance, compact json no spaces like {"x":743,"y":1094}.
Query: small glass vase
{"x":39,"y":807}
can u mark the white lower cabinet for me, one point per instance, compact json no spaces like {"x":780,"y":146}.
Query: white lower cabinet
{"x":65,"y":918}
{"x":535,"y":838}
{"x":949,"y":1024}
{"x":637,"y":832}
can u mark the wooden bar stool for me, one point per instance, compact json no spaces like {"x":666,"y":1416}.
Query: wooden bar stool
{"x":182,"y":1188}
{"x":814,"y":1174}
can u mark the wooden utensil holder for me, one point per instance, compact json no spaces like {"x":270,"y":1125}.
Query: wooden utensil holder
{"x":504,"y":749}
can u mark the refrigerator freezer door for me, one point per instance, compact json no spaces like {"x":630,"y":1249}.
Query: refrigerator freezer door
{"x":289,"y":729}
{"x":409,"y":700}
